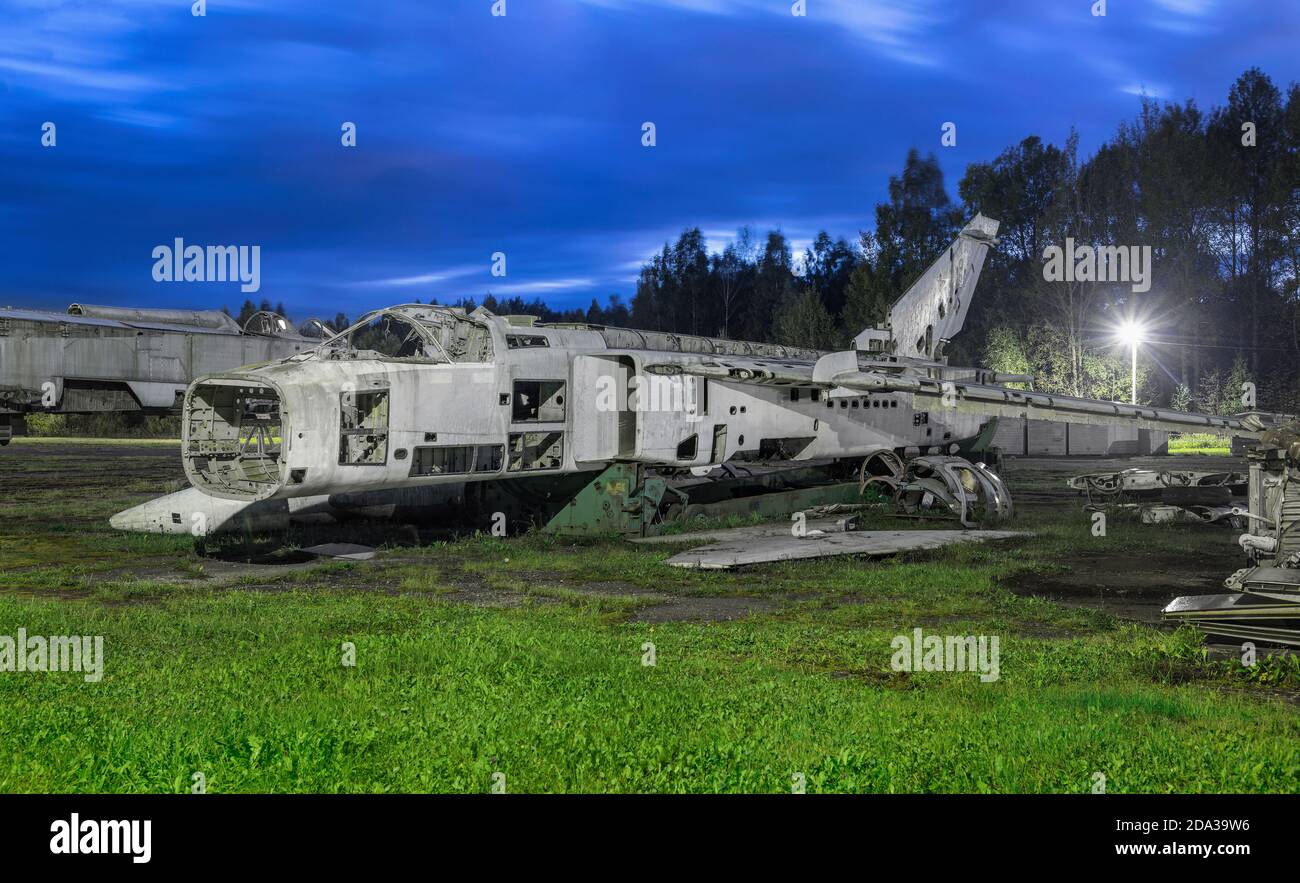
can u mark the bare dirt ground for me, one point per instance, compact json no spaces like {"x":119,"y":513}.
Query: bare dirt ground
{"x":1131,"y":586}
{"x":1127,"y":585}
{"x":82,"y":466}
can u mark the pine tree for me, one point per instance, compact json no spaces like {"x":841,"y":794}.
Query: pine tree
{"x":803,"y":321}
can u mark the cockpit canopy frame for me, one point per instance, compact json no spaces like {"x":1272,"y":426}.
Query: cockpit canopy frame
{"x":411,"y":333}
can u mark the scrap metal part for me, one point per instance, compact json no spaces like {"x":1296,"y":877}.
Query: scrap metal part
{"x":1163,"y":513}
{"x":1169,"y":485}
{"x":1168,"y":496}
{"x":882,"y":469}
{"x":972,"y":492}
{"x":1264,"y":600}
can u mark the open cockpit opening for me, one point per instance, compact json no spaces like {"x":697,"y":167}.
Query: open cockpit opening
{"x":412,"y":333}
{"x":234,"y":439}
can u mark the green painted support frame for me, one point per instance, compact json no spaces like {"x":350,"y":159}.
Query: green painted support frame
{"x":622,"y":500}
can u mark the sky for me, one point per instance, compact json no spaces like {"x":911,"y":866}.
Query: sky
{"x":522,"y":134}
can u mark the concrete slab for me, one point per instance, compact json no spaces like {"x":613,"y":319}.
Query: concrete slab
{"x":747,"y":548}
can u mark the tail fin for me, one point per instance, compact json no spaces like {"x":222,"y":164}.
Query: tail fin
{"x":934,"y":308}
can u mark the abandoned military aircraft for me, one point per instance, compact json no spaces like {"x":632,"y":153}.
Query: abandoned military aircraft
{"x":137,"y":361}
{"x":423,"y":408}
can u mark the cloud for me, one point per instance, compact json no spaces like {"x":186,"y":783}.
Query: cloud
{"x":421,"y":279}
{"x":40,"y":74}
{"x":1187,"y":17}
{"x":897,"y":30}
{"x":542,"y":286}
{"x":1196,"y":8}
{"x":60,"y":44}
{"x":1149,"y":90}
{"x":522,"y":134}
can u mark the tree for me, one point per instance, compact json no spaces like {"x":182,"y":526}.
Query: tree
{"x":1220,"y":215}
{"x":866,"y":302}
{"x":774,"y":284}
{"x":804,"y":321}
{"x":828,"y":267}
{"x":1005,"y":352}
{"x":733,"y":276}
{"x":1255,"y":175}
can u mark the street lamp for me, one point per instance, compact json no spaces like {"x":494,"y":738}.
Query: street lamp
{"x":1133,"y":333}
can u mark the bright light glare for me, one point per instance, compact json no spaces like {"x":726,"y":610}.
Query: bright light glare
{"x":1132,"y":333}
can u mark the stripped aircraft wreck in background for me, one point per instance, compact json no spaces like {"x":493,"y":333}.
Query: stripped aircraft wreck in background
{"x":96,"y":359}
{"x":426,"y":411}
{"x":1160,"y":496}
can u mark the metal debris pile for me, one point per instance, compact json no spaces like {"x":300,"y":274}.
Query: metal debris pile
{"x":1263,"y":603}
{"x":1163,"y":496}
{"x":950,"y":486}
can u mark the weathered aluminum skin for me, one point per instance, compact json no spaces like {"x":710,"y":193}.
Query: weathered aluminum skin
{"x":613,"y":408}
{"x":933,"y":309}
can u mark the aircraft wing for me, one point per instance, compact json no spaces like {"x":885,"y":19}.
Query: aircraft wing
{"x":999,"y":401}
{"x":843,"y":371}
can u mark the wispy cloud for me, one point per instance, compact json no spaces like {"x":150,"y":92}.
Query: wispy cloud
{"x":542,"y":286}
{"x":60,"y":44}
{"x":421,"y":278}
{"x":479,"y":133}
{"x":897,"y":30}
{"x":1187,"y":17}
{"x":1149,"y":90}
{"x":1188,"y":7}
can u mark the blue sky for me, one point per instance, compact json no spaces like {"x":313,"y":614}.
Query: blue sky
{"x":522,"y":134}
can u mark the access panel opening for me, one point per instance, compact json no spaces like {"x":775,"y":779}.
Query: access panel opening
{"x":538,"y":401}
{"x":363,"y":428}
{"x":533,"y":451}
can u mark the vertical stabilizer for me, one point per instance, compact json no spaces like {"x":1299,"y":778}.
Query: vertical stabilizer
{"x":934,"y":308}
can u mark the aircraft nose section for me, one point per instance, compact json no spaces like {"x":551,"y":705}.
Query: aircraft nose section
{"x":129,"y":519}
{"x":191,"y":511}
{"x":173,"y":514}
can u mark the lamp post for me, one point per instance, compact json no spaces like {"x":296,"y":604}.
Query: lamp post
{"x":1132,"y":334}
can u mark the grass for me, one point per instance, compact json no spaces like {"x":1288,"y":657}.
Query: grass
{"x":1200,"y":443}
{"x":250,"y":690}
{"x":78,"y":440}
{"x":243,"y":678}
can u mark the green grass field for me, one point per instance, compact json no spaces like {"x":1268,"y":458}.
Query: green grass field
{"x":525,"y":657}
{"x":74,"y":440}
{"x":1202,"y":443}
